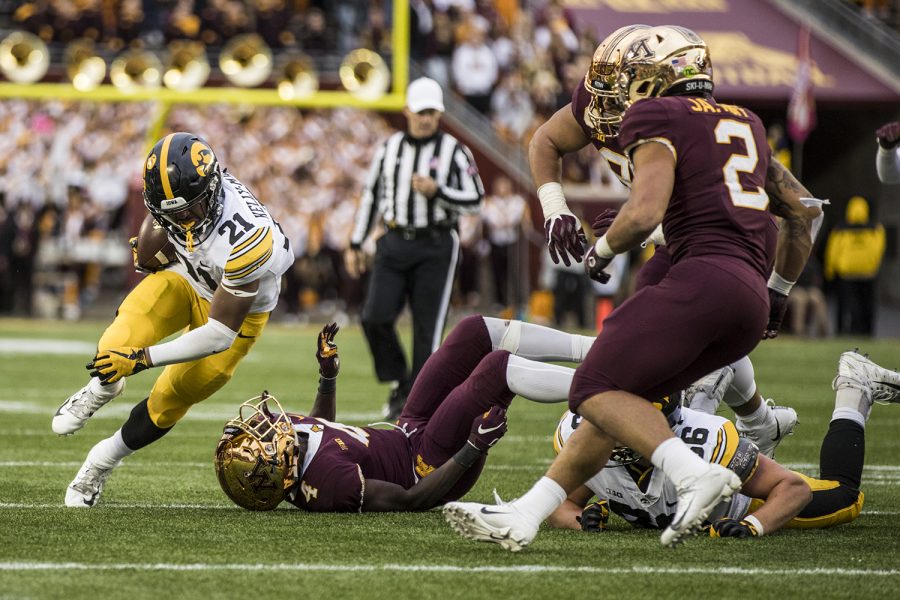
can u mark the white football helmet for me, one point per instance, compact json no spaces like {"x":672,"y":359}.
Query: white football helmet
{"x":661,"y":58}
{"x":604,"y":113}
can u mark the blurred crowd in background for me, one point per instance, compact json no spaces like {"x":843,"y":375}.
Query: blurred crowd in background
{"x":68,"y":171}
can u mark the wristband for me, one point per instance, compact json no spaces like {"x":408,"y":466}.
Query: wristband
{"x":755,"y":522}
{"x":601,"y":247}
{"x":553,"y":202}
{"x":326,"y":385}
{"x":780,"y":284}
{"x":468,"y":455}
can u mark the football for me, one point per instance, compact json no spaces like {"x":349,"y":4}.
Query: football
{"x":154,"y":250}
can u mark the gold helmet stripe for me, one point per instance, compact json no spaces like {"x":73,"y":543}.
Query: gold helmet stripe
{"x":164,"y":166}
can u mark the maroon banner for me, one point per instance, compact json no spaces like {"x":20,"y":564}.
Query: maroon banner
{"x":752,"y":45}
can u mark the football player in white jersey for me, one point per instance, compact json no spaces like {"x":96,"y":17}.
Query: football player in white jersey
{"x":772,"y":497}
{"x":230,"y":255}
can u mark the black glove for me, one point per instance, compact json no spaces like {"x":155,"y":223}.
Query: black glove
{"x":487,"y":429}
{"x":594,"y":266}
{"x":732,"y":528}
{"x":564,"y":237}
{"x":594,"y":517}
{"x":888,"y":135}
{"x":778,"y":303}
{"x":603,"y":221}
{"x":327,"y":352}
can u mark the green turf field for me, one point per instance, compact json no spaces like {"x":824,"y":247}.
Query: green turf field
{"x":164,"y":529}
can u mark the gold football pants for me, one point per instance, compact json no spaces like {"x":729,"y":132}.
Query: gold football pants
{"x":160,"y":305}
{"x":832,"y":504}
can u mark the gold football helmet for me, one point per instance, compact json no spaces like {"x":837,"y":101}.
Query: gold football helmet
{"x":604,"y":113}
{"x":660,"y":59}
{"x":257,"y":456}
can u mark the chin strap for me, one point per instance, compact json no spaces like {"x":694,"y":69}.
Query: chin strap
{"x":189,"y":236}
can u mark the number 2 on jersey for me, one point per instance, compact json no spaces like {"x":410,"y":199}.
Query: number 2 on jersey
{"x":726,"y":131}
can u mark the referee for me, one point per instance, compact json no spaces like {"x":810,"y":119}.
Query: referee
{"x":419,"y":182}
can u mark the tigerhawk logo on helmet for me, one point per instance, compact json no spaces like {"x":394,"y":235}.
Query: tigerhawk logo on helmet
{"x":183,"y":187}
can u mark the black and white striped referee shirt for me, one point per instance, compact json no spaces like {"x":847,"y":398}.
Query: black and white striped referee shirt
{"x":389,"y":192}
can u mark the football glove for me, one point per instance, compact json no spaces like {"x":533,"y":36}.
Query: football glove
{"x":564,"y":237}
{"x":594,"y":517}
{"x":778,"y":304}
{"x":134,"y":255}
{"x":888,"y":135}
{"x":114,"y":364}
{"x":327,"y":352}
{"x":487,"y":429}
{"x":594,"y":266}
{"x":603,"y":221}
{"x":732,"y":528}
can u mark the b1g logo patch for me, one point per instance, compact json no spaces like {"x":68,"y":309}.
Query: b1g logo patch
{"x":202,"y":158}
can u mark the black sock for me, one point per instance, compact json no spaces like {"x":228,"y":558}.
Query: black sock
{"x":843,"y":453}
{"x":139,"y":430}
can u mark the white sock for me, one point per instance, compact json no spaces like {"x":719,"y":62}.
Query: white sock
{"x":106,"y":391}
{"x":536,"y":341}
{"x":541,"y":500}
{"x":759,"y":416}
{"x":850,"y":414}
{"x":676,"y":460}
{"x":107,"y":453}
{"x":539,"y":382}
{"x":852,"y":398}
{"x":743,"y":386}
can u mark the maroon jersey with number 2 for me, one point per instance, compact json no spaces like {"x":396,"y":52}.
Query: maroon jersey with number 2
{"x":712,"y":305}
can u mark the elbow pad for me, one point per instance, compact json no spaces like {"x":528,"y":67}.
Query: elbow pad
{"x":205,"y":340}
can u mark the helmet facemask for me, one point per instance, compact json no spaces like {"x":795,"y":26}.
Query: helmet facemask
{"x":604,"y":113}
{"x":257,"y":458}
{"x":190,"y":220}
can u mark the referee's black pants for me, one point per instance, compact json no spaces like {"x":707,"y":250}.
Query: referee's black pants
{"x":419,"y":269}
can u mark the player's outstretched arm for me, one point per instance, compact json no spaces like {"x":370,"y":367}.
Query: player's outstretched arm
{"x":383,"y":496}
{"x":329,"y":366}
{"x":796,"y":237}
{"x":784,"y":491}
{"x":227,"y":311}
{"x":554,"y":139}
{"x":568,"y":514}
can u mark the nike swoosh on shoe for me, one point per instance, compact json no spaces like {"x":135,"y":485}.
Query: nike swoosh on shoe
{"x":486,"y":511}
{"x":777,"y":431}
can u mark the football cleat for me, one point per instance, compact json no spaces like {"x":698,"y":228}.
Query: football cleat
{"x":779,"y":424}
{"x":713,"y":386}
{"x":74,"y":412}
{"x":85,"y":489}
{"x":857,"y":370}
{"x":696,"y":500}
{"x":500,"y":523}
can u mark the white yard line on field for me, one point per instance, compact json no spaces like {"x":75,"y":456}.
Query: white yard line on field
{"x":519,"y":569}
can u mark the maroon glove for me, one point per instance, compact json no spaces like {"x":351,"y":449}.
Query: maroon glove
{"x":487,"y":429}
{"x":778,"y":303}
{"x":327,"y":352}
{"x":594,"y":266}
{"x":564,"y":237}
{"x":888,"y":135}
{"x":603,"y":221}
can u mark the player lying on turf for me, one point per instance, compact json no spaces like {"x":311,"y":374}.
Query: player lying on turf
{"x":772,"y":496}
{"x":455,"y":413}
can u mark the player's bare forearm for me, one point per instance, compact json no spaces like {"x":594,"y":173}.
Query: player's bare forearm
{"x":654,"y":179}
{"x":568,"y":513}
{"x":794,"y":234}
{"x":325,"y":406}
{"x":559,"y":136}
{"x":383,"y":496}
{"x":784,"y":491}
{"x":231,"y":305}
